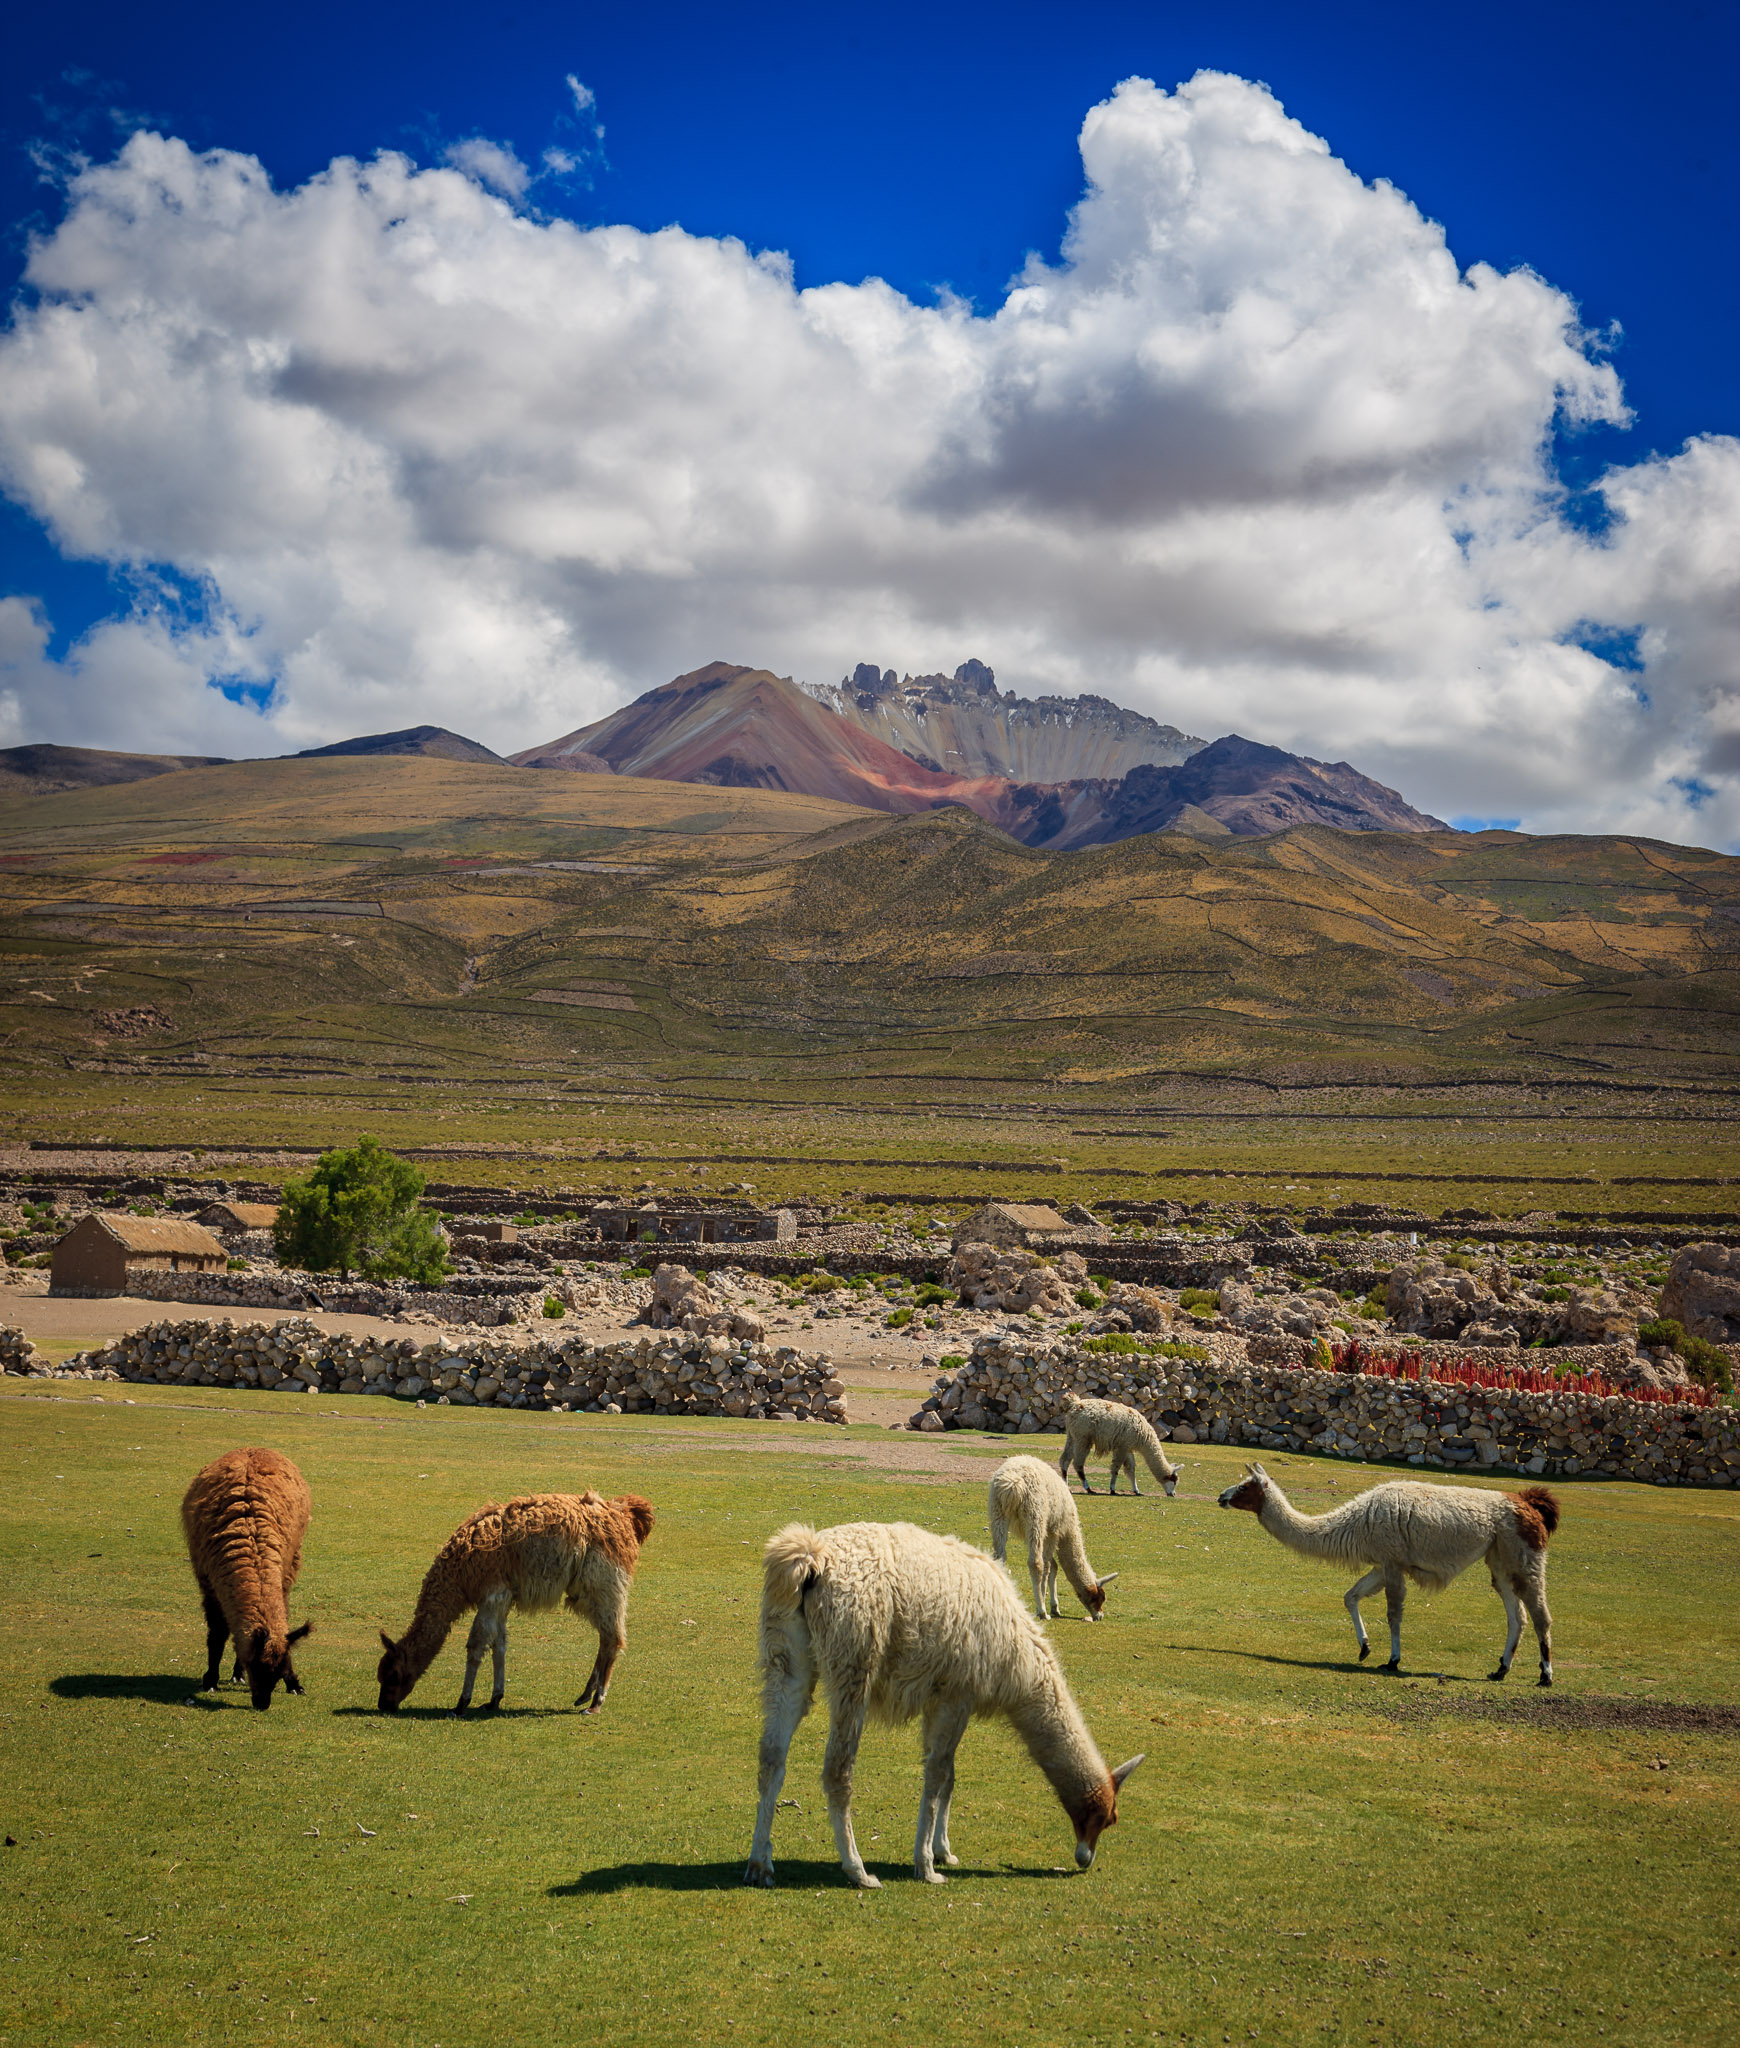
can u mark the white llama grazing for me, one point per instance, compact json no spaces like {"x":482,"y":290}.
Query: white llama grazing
{"x":1029,"y":1497}
{"x":1407,"y":1529}
{"x":1110,"y":1426}
{"x":897,"y":1622}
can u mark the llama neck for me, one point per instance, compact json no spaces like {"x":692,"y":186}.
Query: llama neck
{"x":1049,"y":1722}
{"x":1155,"y":1458}
{"x":1072,"y":1556}
{"x":439,"y":1605}
{"x":1310,"y":1535}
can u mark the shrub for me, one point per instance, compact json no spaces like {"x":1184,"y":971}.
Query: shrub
{"x":1087,"y":1297}
{"x":357,"y":1211}
{"x":235,"y":1265}
{"x":930,"y":1295}
{"x":1707,"y":1363}
{"x":899,"y":1319}
{"x":554,"y":1307}
{"x":951,"y":1361}
{"x":1121,"y":1344}
{"x":1199,"y":1301}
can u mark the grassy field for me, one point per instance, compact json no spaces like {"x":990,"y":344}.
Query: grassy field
{"x":1311,"y":1853}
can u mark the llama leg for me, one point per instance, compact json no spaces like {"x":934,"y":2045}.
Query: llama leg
{"x":217,"y":1633}
{"x":1130,"y":1467}
{"x":1534,"y":1598}
{"x":999,"y":1537}
{"x":498,"y":1652}
{"x":944,"y":1725}
{"x":1513,"y":1617}
{"x":845,"y":1728}
{"x":491,"y":1610}
{"x":1080,"y":1449}
{"x":785,"y":1701}
{"x":1362,"y":1589}
{"x":610,"y":1642}
{"x":1395,"y":1592}
{"x":1036,"y":1572}
{"x":1051,"y":1586}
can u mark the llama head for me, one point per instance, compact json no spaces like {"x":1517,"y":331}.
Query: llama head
{"x":1095,"y":1602}
{"x":395,"y":1674}
{"x":1250,"y":1493}
{"x":266,"y":1662}
{"x":1097,"y":1812}
{"x":1169,"y":1485}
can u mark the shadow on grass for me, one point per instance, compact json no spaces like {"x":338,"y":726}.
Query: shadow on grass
{"x":791,"y":1873}
{"x":1372,"y":1669}
{"x":163,"y":1689}
{"x":480,"y":1715}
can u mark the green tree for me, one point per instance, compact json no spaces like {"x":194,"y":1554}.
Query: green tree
{"x":357,"y":1212}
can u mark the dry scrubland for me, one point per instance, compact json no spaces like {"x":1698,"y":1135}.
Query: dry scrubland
{"x":834,"y":1001}
{"x":1312,"y":1853}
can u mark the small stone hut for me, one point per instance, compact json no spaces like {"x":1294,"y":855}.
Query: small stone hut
{"x":101,"y":1252}
{"x":1012,"y":1226}
{"x":236,"y":1219}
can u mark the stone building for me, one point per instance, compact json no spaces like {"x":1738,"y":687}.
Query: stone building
{"x":101,"y":1252}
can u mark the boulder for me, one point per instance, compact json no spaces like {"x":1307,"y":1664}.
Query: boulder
{"x":1702,"y":1292}
{"x":1013,"y":1281}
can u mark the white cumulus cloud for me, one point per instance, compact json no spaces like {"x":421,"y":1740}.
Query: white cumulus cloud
{"x":1254,"y":453}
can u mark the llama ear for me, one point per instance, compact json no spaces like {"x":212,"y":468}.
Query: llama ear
{"x":387,"y":1642}
{"x":1106,"y":1578}
{"x":1124,"y":1770}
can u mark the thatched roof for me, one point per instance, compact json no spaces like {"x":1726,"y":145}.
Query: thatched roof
{"x":160,"y":1234}
{"x":241,"y":1215}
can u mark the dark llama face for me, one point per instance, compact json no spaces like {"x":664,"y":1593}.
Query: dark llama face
{"x":1247,"y":1494}
{"x":267,"y":1665}
{"x":395,"y":1678}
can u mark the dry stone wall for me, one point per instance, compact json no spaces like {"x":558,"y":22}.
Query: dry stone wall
{"x":462,"y":1301}
{"x":671,"y":1372}
{"x":1011,"y":1383}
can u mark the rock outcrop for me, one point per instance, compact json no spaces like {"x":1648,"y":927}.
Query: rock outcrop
{"x":1010,"y":1281}
{"x":1702,"y":1292}
{"x":682,"y":1300}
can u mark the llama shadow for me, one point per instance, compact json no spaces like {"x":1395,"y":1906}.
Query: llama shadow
{"x":163,"y":1689}
{"x":1371,"y":1668}
{"x":478,"y":1716}
{"x":792,"y":1873}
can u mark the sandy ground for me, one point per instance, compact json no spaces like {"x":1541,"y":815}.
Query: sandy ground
{"x":884,"y":1372}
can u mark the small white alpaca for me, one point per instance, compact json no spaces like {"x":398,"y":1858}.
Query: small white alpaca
{"x":1027,"y":1496}
{"x":1408,"y":1529}
{"x":898,"y":1622}
{"x":1110,"y":1426}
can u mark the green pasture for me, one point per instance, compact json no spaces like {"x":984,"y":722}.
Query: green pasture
{"x":1311,"y":1853}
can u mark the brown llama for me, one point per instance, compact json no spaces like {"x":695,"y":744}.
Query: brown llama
{"x":538,"y":1552}
{"x":245,"y":1516}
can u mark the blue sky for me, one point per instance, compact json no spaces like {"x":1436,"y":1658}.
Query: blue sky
{"x":935,"y":147}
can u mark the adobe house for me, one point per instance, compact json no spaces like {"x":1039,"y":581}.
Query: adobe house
{"x":231,"y":1219}
{"x":101,"y":1253}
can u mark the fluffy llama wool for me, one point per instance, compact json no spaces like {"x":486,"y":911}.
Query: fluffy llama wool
{"x":538,"y":1552}
{"x":1091,"y":1426}
{"x":1410,"y":1529}
{"x":1030,"y":1498}
{"x":897,"y":1622}
{"x":245,"y":1516}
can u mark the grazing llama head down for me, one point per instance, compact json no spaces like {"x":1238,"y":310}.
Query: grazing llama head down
{"x":395,"y":1674}
{"x":265,"y":1662}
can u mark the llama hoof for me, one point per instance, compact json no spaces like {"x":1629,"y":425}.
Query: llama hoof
{"x":760,"y":1874}
{"x":596,"y":1707}
{"x":931,"y":1876}
{"x":493,"y":1707}
{"x":866,"y":1883}
{"x":1364,"y":1651}
{"x":293,"y":1685}
{"x":1546,"y":1678}
{"x":1393,"y":1668}
{"x":1500,"y":1674}
{"x":951,"y":1859}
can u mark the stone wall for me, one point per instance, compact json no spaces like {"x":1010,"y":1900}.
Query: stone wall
{"x":462,"y":1300}
{"x":1011,"y":1383}
{"x":668,"y":1372}
{"x":16,"y":1351}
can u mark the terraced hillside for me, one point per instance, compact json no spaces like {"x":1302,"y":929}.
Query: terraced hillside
{"x":402,"y":925}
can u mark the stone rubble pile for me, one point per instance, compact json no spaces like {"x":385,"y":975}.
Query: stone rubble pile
{"x":1427,"y":1298}
{"x":675,"y":1373}
{"x":1012,"y":1383}
{"x":683,"y":1301}
{"x":1000,"y":1280}
{"x":17,"y":1353}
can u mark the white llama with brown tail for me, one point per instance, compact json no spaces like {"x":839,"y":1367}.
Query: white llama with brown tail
{"x":1030,"y":1498}
{"x":1409,"y":1529}
{"x":897,"y":1622}
{"x":1111,"y":1426}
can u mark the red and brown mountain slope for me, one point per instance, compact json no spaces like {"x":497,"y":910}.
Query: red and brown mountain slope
{"x":749,"y":729}
{"x":745,"y":728}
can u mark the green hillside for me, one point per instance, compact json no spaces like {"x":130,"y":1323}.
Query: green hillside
{"x":422,"y":939}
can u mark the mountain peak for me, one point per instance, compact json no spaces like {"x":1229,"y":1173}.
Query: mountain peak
{"x":413,"y":739}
